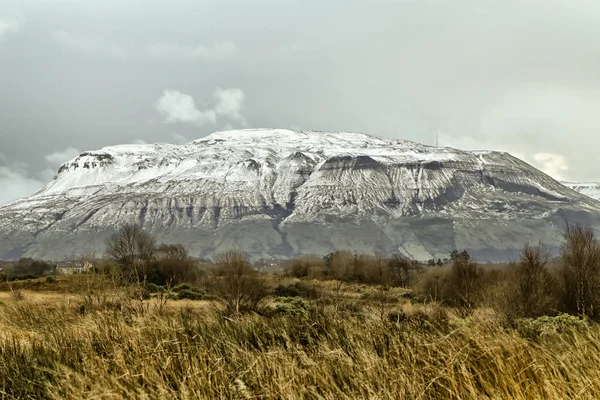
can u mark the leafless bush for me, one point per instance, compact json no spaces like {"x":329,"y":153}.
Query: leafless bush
{"x":463,"y":283}
{"x":403,"y":271}
{"x":104,"y":291}
{"x":526,"y":291}
{"x":132,"y":248}
{"x":341,"y":266}
{"x":238,"y":285}
{"x":306,"y":267}
{"x":580,"y":273}
{"x":173,"y":265}
{"x":432,"y":284}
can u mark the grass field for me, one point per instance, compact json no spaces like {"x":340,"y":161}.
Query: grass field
{"x":61,"y":341}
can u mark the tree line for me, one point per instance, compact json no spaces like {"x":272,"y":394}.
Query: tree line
{"x":527,"y":287}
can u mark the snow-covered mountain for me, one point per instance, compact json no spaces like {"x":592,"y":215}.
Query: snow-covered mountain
{"x":589,"y":189}
{"x":279,"y":193}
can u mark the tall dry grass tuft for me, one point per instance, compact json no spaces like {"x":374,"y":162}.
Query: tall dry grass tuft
{"x":55,"y":351}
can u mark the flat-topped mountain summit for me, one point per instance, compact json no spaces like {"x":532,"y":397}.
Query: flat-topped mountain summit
{"x":282,"y":193}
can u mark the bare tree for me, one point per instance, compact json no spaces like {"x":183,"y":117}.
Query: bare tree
{"x":534,"y":283}
{"x":132,"y":248}
{"x":381,"y":270}
{"x":402,"y":270}
{"x":173,"y":265}
{"x":171,"y":251}
{"x":580,"y":254}
{"x":238,"y":285}
{"x":341,"y":265}
{"x":341,"y":268}
{"x":527,"y":290}
{"x":463,"y":286}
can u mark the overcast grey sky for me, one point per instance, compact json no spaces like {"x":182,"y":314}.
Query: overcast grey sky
{"x":519,"y":76}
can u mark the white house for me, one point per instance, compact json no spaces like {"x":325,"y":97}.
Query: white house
{"x":73,"y":267}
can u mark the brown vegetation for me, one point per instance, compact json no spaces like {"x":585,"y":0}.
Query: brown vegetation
{"x":342,"y":327}
{"x":237,"y":284}
{"x":112,"y":348}
{"x":581,"y":271}
{"x":528,"y":290}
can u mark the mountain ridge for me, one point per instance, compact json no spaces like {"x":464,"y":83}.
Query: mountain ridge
{"x":282,"y":193}
{"x":590,"y":189}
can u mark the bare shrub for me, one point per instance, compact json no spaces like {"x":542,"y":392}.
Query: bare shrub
{"x":104,"y":291}
{"x":341,"y":266}
{"x":526,"y":291}
{"x":311,"y":267}
{"x":580,"y":273}
{"x":432,"y":284}
{"x":237,"y":284}
{"x":347,"y":267}
{"x":298,"y":289}
{"x":403,"y":271}
{"x":463,"y":283}
{"x":132,"y":248}
{"x":29,"y":266}
{"x":173,"y":265}
{"x":376,"y":270}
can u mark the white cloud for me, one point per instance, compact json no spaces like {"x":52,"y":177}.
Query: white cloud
{"x":554,"y":165}
{"x":551,"y":163}
{"x":8,"y":26}
{"x":56,"y":159}
{"x":230,"y":104}
{"x":139,"y":141}
{"x":15,"y":184}
{"x":175,"y":106}
{"x":169,"y":51}
{"x":59,"y":157}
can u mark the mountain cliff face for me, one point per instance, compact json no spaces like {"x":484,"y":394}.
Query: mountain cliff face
{"x":280,"y":193}
{"x":589,"y":189}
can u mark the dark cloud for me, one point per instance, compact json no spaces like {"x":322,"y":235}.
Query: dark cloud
{"x":514,"y":76}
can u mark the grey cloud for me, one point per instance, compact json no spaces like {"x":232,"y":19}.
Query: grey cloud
{"x":168,"y":51}
{"x":175,"y":51}
{"x":514,"y":76}
{"x":59,"y":157}
{"x":179,"y":139}
{"x":8,"y":26}
{"x":89,"y":45}
{"x":15,"y":183}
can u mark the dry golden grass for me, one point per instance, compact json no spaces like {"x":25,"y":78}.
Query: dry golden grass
{"x":51,"y":347}
{"x":36,"y":297}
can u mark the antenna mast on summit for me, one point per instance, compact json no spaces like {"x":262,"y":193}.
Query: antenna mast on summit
{"x":437,"y":139}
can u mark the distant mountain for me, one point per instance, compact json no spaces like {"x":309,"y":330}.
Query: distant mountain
{"x":280,"y":193}
{"x":589,"y":189}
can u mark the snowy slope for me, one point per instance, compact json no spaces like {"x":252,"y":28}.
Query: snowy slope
{"x":279,"y":193}
{"x":589,"y":189}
